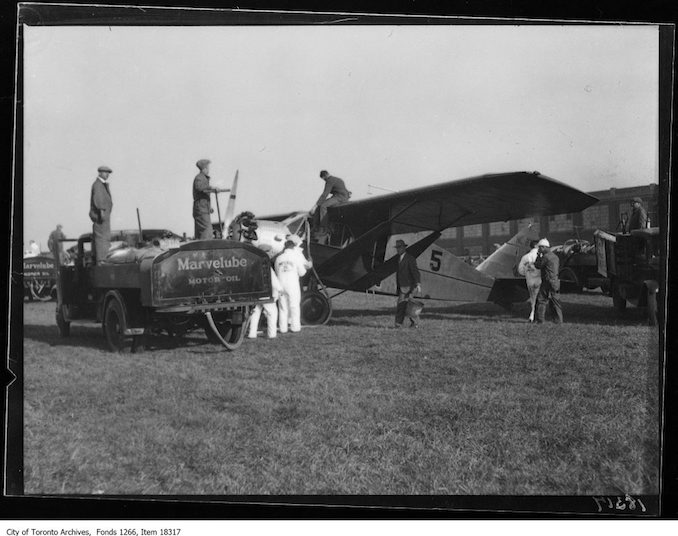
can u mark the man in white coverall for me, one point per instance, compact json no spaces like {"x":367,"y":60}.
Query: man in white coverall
{"x":270,"y":311}
{"x":290,"y":266}
{"x":532,"y":275}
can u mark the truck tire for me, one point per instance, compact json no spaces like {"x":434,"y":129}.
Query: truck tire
{"x":316,"y":308}
{"x":618,"y":302}
{"x":114,"y":326}
{"x":61,"y":322}
{"x":651,"y":307}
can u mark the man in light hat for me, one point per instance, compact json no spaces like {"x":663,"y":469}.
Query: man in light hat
{"x":407,"y":282}
{"x":549,"y":291}
{"x":289,"y":267}
{"x":100,"y":207}
{"x":202,"y":207}
{"x":638,"y":219}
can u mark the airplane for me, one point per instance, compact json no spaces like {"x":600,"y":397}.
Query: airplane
{"x":358,"y":256}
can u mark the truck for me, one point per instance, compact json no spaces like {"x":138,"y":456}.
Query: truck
{"x":163,"y":285}
{"x":630,"y":261}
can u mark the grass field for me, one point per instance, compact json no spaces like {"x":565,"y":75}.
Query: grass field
{"x":477,"y":401}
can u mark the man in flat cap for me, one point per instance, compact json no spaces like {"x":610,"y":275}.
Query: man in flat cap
{"x":407,"y":282}
{"x":638,"y":219}
{"x":55,"y":245}
{"x":334,"y":186}
{"x":100,"y":207}
{"x":549,"y":291}
{"x":202,"y":207}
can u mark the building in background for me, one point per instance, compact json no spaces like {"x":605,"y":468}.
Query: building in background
{"x":613,"y":204}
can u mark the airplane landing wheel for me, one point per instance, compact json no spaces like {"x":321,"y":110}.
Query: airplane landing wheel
{"x":316,"y":308}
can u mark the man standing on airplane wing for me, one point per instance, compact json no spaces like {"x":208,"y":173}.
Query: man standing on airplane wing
{"x":336,"y":187}
{"x":408,"y":282}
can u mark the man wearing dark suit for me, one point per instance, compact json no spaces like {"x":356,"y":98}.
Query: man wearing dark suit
{"x":335,"y":187}
{"x":638,"y":218}
{"x":408,"y":282}
{"x":549,"y":291}
{"x":100,"y":207}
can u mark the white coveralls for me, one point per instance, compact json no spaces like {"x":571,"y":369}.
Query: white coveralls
{"x":270,"y":311}
{"x":290,"y":265}
{"x":532,"y":277}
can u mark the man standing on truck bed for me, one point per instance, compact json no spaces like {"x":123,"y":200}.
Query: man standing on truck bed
{"x":638,"y":219}
{"x":202,"y":207}
{"x":100,"y":207}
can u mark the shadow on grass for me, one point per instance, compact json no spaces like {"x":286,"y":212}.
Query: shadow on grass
{"x":93,"y":337}
{"x":573,"y":313}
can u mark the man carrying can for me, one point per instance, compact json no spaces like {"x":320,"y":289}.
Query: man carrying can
{"x":407,"y":282}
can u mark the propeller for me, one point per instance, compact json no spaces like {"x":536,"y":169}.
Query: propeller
{"x":230,"y":207}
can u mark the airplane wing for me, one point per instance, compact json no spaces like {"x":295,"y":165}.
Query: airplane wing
{"x":483,"y":199}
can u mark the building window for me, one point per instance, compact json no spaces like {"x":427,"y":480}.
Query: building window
{"x":596,"y":217}
{"x":522,"y":224}
{"x":473,"y":250}
{"x":560,"y":222}
{"x":500,"y":228}
{"x":473,"y":231}
{"x":449,"y":233}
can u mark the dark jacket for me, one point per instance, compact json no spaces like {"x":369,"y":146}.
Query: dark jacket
{"x":638,"y":219}
{"x":550,"y":267}
{"x":201,"y":194}
{"x":408,"y":273}
{"x":334,"y":186}
{"x":100,"y":203}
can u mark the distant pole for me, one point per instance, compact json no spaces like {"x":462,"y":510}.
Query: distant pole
{"x":141,"y":235}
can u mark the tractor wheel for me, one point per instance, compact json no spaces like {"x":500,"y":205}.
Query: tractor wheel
{"x":316,"y":308}
{"x":41,"y":290}
{"x":651,"y":308}
{"x":115,"y":325}
{"x":569,"y":282}
{"x":63,"y":325}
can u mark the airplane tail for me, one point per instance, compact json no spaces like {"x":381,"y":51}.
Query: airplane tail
{"x":230,"y":207}
{"x":501,"y":264}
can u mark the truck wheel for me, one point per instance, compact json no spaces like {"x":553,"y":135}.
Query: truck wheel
{"x":316,"y":308}
{"x":63,"y":325}
{"x":618,"y":302}
{"x":115,"y":326}
{"x":651,"y":308}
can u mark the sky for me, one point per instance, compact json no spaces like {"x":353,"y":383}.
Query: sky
{"x":394,"y":107}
